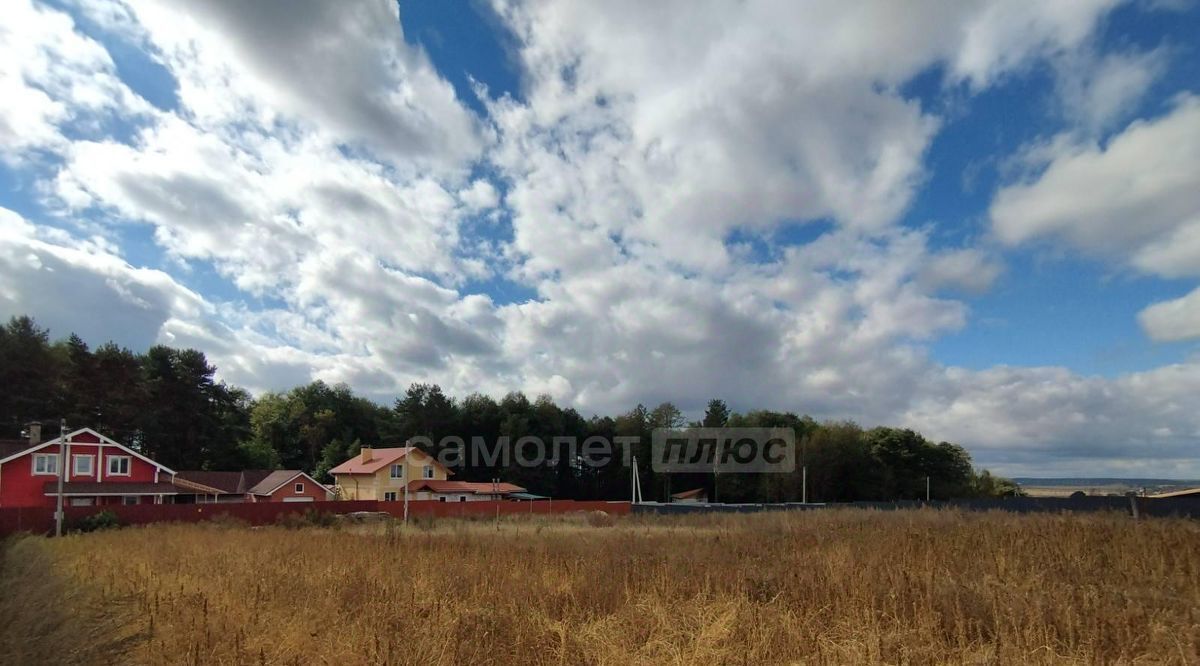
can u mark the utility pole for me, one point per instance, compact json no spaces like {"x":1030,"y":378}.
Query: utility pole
{"x":636,"y":483}
{"x":405,"y":487}
{"x":926,"y":489}
{"x":804,"y":485}
{"x":716,"y":479}
{"x":63,"y":451}
{"x":633,"y":481}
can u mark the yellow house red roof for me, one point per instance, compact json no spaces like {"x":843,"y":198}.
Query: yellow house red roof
{"x":380,"y":458}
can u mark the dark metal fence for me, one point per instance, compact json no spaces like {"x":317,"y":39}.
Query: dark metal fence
{"x":1186,"y":507}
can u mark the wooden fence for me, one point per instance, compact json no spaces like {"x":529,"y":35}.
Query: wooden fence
{"x":40,"y":520}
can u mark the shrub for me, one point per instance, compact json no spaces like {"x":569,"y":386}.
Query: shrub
{"x":310,"y":518}
{"x":97,"y":521}
{"x":226,"y":521}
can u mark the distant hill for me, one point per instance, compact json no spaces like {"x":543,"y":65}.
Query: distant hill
{"x":1104,"y":481}
{"x":1063,"y":487}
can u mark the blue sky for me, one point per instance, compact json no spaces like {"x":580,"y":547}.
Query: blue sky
{"x":979,"y":221}
{"x":1049,"y":309}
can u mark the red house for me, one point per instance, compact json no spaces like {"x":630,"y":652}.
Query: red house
{"x":251,"y":485}
{"x":100,"y":471}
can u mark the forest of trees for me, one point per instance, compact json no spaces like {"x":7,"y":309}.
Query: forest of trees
{"x":166,"y":404}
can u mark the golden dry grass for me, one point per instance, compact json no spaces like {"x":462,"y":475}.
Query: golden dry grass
{"x":830,"y":587}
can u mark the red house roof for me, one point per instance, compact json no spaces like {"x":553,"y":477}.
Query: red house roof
{"x":250,"y":481}
{"x":9,"y":447}
{"x":380,"y":458}
{"x":277,"y":479}
{"x":224,"y":482}
{"x":468,"y":487}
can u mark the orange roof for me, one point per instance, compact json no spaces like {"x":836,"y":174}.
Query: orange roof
{"x":474,"y":488}
{"x":380,"y":458}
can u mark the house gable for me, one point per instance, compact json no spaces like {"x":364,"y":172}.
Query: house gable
{"x":85,"y":436}
{"x":309,"y":487}
{"x":94,"y":459}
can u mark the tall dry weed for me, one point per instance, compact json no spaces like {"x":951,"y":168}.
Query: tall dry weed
{"x":836,"y":587}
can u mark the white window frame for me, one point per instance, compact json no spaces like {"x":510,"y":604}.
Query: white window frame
{"x":427,"y":472}
{"x":91,"y":463}
{"x":392,"y":493}
{"x":83,"y":501}
{"x":109,"y":465}
{"x":298,"y":488}
{"x":45,"y":459}
{"x":125,"y":500}
{"x":397,"y":471}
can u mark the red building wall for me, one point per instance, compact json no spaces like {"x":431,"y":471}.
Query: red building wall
{"x":19,"y":486}
{"x":311,"y":489}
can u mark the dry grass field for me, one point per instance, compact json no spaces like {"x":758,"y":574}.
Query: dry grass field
{"x":831,"y":587}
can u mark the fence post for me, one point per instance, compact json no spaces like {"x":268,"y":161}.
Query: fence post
{"x":1133,"y":505}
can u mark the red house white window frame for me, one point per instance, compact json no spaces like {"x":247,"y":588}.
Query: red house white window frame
{"x":77,"y":458}
{"x":47,"y":469}
{"x":116,"y":470}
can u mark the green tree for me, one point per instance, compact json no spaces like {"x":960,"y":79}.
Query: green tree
{"x":29,"y":375}
{"x":188,"y":420}
{"x":81,"y":385}
{"x":122,"y":393}
{"x":716,"y":415}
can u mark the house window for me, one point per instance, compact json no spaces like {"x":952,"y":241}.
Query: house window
{"x":82,"y":501}
{"x":129,"y":499}
{"x":397,"y":471}
{"x":427,"y":472}
{"x":45,"y":463}
{"x":462,"y":498}
{"x":83,"y":465}
{"x":299,"y":488}
{"x":389,"y":497}
{"x":118,"y":466}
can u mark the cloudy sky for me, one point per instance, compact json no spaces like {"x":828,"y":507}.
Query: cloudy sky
{"x":978,"y":219}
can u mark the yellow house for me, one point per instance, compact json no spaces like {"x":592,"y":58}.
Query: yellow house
{"x":380,"y":474}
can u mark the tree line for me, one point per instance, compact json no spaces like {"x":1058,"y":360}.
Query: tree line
{"x":166,"y":404}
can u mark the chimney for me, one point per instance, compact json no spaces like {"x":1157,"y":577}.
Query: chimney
{"x":34,"y":428}
{"x":366,"y":454}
